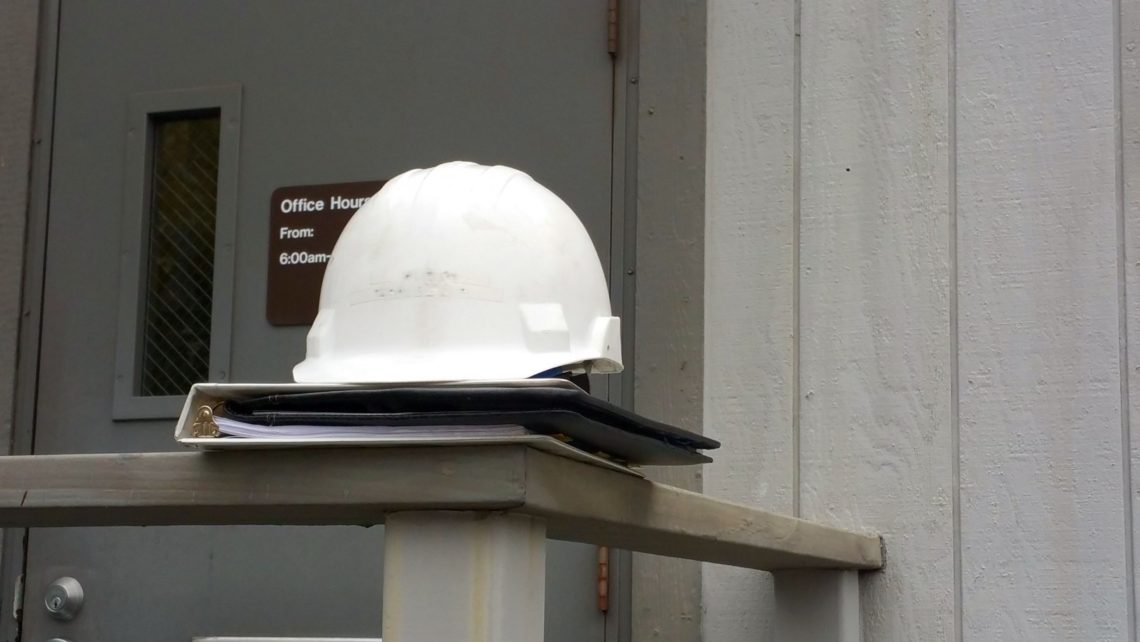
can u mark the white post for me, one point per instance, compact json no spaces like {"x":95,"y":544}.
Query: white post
{"x":463,"y":577}
{"x":817,"y":606}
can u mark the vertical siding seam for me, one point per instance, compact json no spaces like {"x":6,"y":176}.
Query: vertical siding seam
{"x":955,"y":394}
{"x":1122,"y":321}
{"x":797,"y":81}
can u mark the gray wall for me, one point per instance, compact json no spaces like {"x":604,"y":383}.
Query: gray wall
{"x":921,"y":263}
{"x":922,"y":272}
{"x":18,"y":48}
{"x":18,"y":32}
{"x":669,"y":282}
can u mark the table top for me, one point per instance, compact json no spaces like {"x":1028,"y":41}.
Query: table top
{"x":579,"y":501}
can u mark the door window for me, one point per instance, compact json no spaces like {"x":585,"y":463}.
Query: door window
{"x":177,"y":271}
{"x":178,"y":293}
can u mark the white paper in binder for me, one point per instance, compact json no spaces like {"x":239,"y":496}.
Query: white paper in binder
{"x":233,"y":428}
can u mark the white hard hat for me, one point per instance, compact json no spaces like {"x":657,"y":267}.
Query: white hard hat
{"x":461,"y":272}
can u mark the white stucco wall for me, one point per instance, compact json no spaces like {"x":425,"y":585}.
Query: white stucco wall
{"x":922,"y":272}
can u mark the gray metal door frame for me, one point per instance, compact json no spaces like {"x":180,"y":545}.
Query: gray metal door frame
{"x":622,"y":258}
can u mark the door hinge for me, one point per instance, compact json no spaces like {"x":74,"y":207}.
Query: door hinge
{"x":612,"y":28}
{"x":604,"y":579}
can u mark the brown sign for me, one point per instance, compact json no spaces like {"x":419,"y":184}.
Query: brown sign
{"x":304,"y":224}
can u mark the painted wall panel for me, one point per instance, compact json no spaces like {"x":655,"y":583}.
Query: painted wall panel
{"x":670,"y":276}
{"x":18,"y":37}
{"x":18,"y":43}
{"x":875,"y":351}
{"x":1129,"y":174}
{"x":1042,"y":527}
{"x":749,"y":287}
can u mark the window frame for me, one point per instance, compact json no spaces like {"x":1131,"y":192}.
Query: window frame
{"x":143,"y":110}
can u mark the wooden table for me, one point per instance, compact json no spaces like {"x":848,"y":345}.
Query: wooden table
{"x":466,"y":526}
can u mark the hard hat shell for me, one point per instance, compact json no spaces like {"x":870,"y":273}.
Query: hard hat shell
{"x":461,"y":272}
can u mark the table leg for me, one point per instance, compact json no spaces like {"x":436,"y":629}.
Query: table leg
{"x":463,"y":577}
{"x":817,"y":606}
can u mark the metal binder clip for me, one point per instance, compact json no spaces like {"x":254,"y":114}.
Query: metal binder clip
{"x":204,"y":425}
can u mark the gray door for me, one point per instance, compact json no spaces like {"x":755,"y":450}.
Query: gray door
{"x":302,"y":93}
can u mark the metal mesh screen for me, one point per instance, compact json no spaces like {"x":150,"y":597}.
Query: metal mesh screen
{"x":176,"y":316}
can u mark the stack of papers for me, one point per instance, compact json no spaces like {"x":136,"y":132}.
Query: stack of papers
{"x":233,"y":428}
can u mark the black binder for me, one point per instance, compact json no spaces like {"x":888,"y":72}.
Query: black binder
{"x":571,"y":414}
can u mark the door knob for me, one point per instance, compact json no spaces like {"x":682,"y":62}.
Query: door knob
{"x":63,"y":599}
